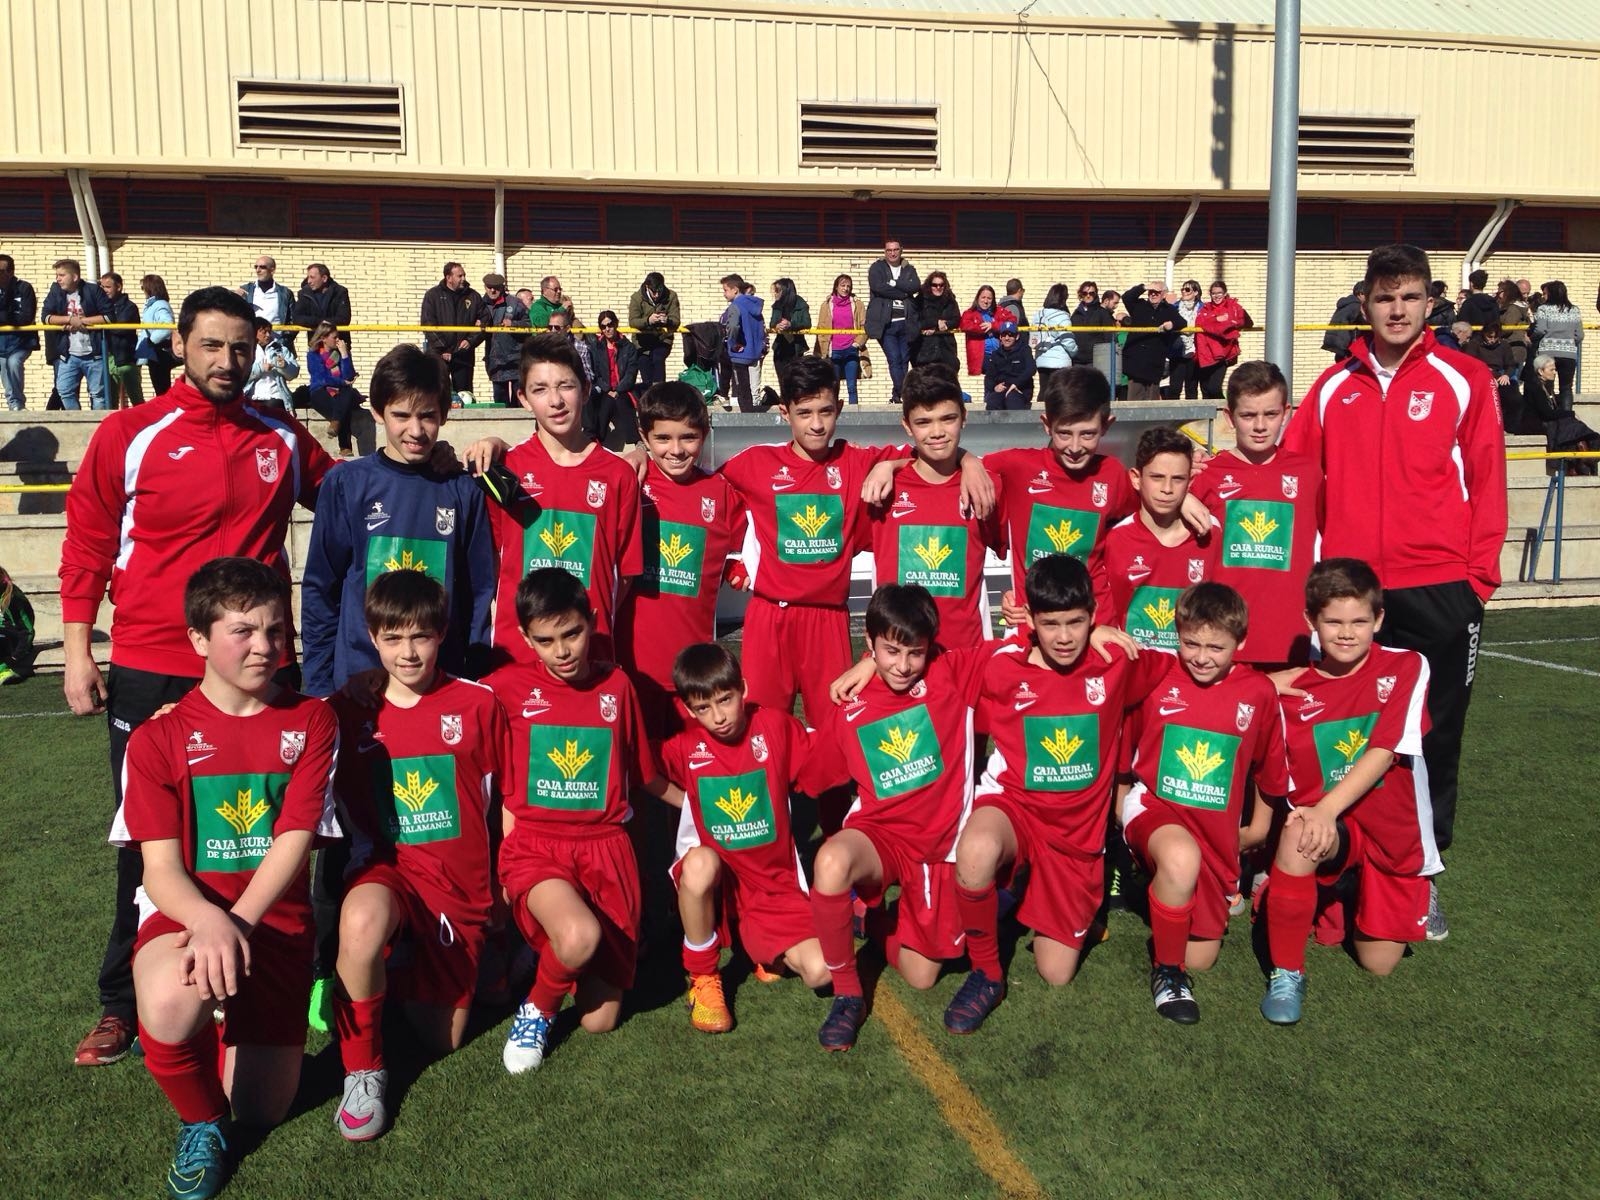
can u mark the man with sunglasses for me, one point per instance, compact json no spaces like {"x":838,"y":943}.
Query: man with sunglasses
{"x":271,"y":299}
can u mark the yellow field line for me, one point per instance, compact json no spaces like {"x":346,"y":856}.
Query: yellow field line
{"x":962,"y":1110}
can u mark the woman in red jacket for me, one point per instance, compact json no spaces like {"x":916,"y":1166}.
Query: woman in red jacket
{"x":978,"y":324}
{"x":1217,"y":343}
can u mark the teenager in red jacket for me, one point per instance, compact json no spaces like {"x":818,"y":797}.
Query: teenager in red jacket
{"x":978,"y":323}
{"x":196,"y":474}
{"x":1216,"y":346}
{"x":1409,"y":436}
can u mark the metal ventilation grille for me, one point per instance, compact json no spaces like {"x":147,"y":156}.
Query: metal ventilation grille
{"x":345,"y":115}
{"x":869,"y":135}
{"x":1362,"y":144}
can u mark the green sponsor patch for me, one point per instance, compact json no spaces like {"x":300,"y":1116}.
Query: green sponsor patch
{"x":1063,"y":752}
{"x":1153,"y":617}
{"x":1258,"y":533}
{"x":1053,"y":530}
{"x":568,"y":766}
{"x":556,"y":538}
{"x":385,"y":554}
{"x":737,"y":809}
{"x":675,"y":561}
{"x":419,"y":805}
{"x":1196,"y":767}
{"x":233,"y":819}
{"x":934,"y":556}
{"x":901,"y":752}
{"x":1339,"y":744}
{"x":810,"y":527}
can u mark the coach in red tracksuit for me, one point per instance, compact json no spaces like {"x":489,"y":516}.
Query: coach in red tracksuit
{"x":1409,"y":435}
{"x":193,"y":475}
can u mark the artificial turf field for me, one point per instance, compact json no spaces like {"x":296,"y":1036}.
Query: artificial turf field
{"x":1468,"y":1073}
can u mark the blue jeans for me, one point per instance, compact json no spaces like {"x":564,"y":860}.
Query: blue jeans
{"x":897,"y":354}
{"x":653,"y":364}
{"x":71,"y":371}
{"x":11,"y":378}
{"x":847,"y":366}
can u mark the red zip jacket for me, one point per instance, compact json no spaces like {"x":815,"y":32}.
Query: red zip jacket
{"x":1416,"y":482}
{"x":163,"y":488}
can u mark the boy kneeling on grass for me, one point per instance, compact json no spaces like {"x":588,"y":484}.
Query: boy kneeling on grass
{"x":1356,"y":804}
{"x":223,"y":795}
{"x":422,"y":773}
{"x":735,"y":843}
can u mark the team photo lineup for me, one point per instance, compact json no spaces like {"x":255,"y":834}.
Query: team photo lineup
{"x":1198,"y":696}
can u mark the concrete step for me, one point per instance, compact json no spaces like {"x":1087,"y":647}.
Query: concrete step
{"x":1570,"y":593}
{"x":1525,"y":501}
{"x":1580,"y":554}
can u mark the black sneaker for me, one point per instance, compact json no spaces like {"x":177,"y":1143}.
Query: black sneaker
{"x":1174,"y":994}
{"x":979,"y":996}
{"x":844,"y":1021}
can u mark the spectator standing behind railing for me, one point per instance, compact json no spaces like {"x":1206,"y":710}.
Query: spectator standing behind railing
{"x":893,"y":284}
{"x":744,"y":341}
{"x":1216,"y":346}
{"x":1183,"y":371}
{"x":655,"y":312}
{"x":1559,"y":329}
{"x":19,"y":305}
{"x":844,"y":311}
{"x":331,"y":372}
{"x":123,"y":384}
{"x":322,"y":298}
{"x":1441,"y":312}
{"x":552,"y":299}
{"x":791,"y":317}
{"x":978,"y":324}
{"x":1012,"y":304}
{"x":1144,"y":357}
{"x":1348,"y":311}
{"x":503,"y":351}
{"x":1094,"y":348}
{"x":1514,"y":311}
{"x":1054,"y":346}
{"x":275,"y":364}
{"x":74,"y":307}
{"x":452,"y":302}
{"x":1477,"y":306}
{"x":272,"y":300}
{"x":611,"y":416}
{"x":938,"y":318}
{"x":154,"y":347}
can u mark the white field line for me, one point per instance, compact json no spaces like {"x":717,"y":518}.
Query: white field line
{"x":1546,"y":642}
{"x":1539,"y":662}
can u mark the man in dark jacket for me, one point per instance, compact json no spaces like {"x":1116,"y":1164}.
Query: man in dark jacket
{"x":75,"y":306}
{"x":1008,"y":370}
{"x":608,"y":416}
{"x":1144,"y":355}
{"x":1479,"y":308}
{"x":322,"y":298}
{"x":1094,"y":349}
{"x":122,"y":369}
{"x":892,"y":311}
{"x":1348,"y":311}
{"x":452,"y":302}
{"x":503,"y":351}
{"x":19,"y":305}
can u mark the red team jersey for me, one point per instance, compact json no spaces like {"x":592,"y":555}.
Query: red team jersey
{"x":806,"y":518}
{"x":921,"y":536}
{"x":242,"y":782}
{"x":909,"y":753}
{"x":1270,"y":515}
{"x":419,"y":786}
{"x":1197,"y":748}
{"x":1056,"y":736}
{"x":1049,"y":510}
{"x":689,"y":529}
{"x":1381,"y":705}
{"x":583,"y":518}
{"x":1139,"y":580}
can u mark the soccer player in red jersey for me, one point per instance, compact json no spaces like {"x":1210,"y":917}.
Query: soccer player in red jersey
{"x":579,"y":503}
{"x":735,"y":844}
{"x":693,"y":524}
{"x":1063,"y":497}
{"x":1359,"y":794}
{"x":807,"y":518}
{"x":222,"y":796}
{"x":1208,"y":731}
{"x":1269,"y":503}
{"x":924,"y":534}
{"x":1056,"y":714}
{"x":578,"y":746}
{"x":421,"y":781}
{"x":1152,"y":556}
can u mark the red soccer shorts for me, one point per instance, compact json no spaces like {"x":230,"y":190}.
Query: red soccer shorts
{"x":270,"y":1008}
{"x":927,"y":917}
{"x":605,"y":873}
{"x":767,"y":923}
{"x":445,"y":942}
{"x":1064,"y":890}
{"x":794,"y":648}
{"x":1390,"y":908}
{"x":1211,"y":890}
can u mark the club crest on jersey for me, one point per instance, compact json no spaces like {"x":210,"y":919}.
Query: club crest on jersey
{"x":267,"y":463}
{"x":531,"y":485}
{"x":444,"y":520}
{"x":903,"y":507}
{"x":708,"y":509}
{"x":608,"y":706}
{"x":758,"y":747}
{"x":291,"y":743}
{"x":1094,"y":690}
{"x":1420,"y":405}
{"x":197,"y":744}
{"x":1290,"y":485}
{"x":450,"y":728}
{"x":1385,"y":688}
{"x":596,"y":495}
{"x":1197,"y":570}
{"x":919,"y":689}
{"x":835,"y":478}
{"x":1243,"y":716}
{"x":1099,"y":494}
{"x":1229,"y":487}
{"x":1138,"y":569}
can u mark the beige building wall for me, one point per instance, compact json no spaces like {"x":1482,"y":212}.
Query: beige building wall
{"x":700,"y":94}
{"x":387,"y":280}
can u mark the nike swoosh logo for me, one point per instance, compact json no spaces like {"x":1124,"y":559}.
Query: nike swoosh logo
{"x":201,"y":759}
{"x":1172,"y":712}
{"x":529,"y":714}
{"x":1033,"y":491}
{"x":694,"y":766}
{"x":1022,"y":704}
{"x":849,"y":716}
{"x":1315,"y":712}
{"x":175,"y":455}
{"x":783,"y":487}
{"x":371,"y":525}
{"x":1078,"y":933}
{"x":355,"y":1123}
{"x":898,"y":515}
{"x":368,"y":747}
{"x":1229,"y":493}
